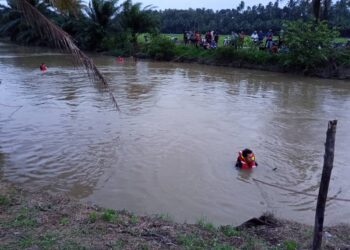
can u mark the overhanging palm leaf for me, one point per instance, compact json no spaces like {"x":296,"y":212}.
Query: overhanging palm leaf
{"x":61,"y":40}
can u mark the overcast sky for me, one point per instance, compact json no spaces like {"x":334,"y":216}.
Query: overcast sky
{"x":185,"y":4}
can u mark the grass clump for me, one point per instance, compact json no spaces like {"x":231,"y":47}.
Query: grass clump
{"x":24,"y":218}
{"x":93,"y":217}
{"x":109,"y":215}
{"x":165,"y":217}
{"x":48,"y":240}
{"x":4,"y":200}
{"x":229,"y":231}
{"x":134,"y":219}
{"x":64,"y":221}
{"x":290,"y":245}
{"x":191,"y":241}
{"x":204,"y":224}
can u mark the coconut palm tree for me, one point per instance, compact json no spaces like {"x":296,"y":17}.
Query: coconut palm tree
{"x":69,"y":8}
{"x":60,"y":39}
{"x":137,"y":20}
{"x":13,"y":25}
{"x":100,"y":13}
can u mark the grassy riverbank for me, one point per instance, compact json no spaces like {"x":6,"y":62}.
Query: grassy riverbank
{"x":32,"y":220}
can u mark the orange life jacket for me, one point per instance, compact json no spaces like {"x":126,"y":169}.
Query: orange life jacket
{"x":243,"y":163}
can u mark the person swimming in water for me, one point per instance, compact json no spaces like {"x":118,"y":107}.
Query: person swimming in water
{"x":246,"y":159}
{"x":43,"y":67}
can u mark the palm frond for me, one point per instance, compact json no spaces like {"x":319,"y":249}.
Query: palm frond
{"x":8,"y":26}
{"x":61,"y":40}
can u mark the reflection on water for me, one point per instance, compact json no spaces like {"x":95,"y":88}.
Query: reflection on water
{"x":176,"y":138}
{"x":245,"y":175}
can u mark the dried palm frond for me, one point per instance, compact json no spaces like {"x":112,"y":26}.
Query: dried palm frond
{"x":61,"y":40}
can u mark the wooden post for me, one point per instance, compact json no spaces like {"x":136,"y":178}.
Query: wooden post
{"x":323,"y":191}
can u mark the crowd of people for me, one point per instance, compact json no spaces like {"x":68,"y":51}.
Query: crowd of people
{"x":264,"y":41}
{"x":210,"y":40}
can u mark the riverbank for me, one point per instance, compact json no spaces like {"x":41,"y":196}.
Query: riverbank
{"x":337,"y":68}
{"x":316,"y":57}
{"x":340,"y":72}
{"x":37,"y":220}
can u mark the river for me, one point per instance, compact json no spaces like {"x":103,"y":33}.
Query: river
{"x":171,"y":150}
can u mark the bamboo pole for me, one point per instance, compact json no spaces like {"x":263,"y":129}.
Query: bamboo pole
{"x":323,"y":191}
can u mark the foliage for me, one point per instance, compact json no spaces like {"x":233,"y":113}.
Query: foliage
{"x":109,"y":215}
{"x":4,"y":200}
{"x":13,"y":25}
{"x":204,"y":224}
{"x":256,"y":17}
{"x":341,"y":56}
{"x":290,"y":245}
{"x":64,"y":220}
{"x":93,"y":217}
{"x":161,"y":48}
{"x":102,"y":11}
{"x":135,"y":20}
{"x":193,"y":52}
{"x":69,"y":8}
{"x":229,"y":231}
{"x":309,"y":43}
{"x":254,"y":56}
{"x":98,"y":23}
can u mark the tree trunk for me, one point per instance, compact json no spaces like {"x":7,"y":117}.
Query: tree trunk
{"x":323,"y":191}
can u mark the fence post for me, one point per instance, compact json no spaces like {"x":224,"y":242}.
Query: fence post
{"x":323,"y":191}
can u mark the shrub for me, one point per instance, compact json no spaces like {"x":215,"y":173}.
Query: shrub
{"x":161,"y":48}
{"x":309,"y":43}
{"x":229,"y":54}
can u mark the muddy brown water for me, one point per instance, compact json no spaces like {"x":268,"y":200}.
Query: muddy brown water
{"x":171,"y":148}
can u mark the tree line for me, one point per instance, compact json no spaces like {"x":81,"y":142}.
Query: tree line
{"x":257,"y":17}
{"x":100,"y":25}
{"x":111,"y":25}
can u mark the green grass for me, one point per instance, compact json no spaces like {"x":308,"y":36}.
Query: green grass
{"x":48,"y":240}
{"x":341,"y":39}
{"x":134,"y":219}
{"x":191,"y":241}
{"x":165,"y":217}
{"x":4,"y":200}
{"x":119,"y":244}
{"x":190,"y":51}
{"x":26,"y":242}
{"x":93,"y":217}
{"x":71,"y":245}
{"x":204,"y":224}
{"x":290,"y":245}
{"x":64,"y":221}
{"x":229,"y":231}
{"x":247,"y":39}
{"x":24,"y":218}
{"x":110,"y":215}
{"x":254,"y":243}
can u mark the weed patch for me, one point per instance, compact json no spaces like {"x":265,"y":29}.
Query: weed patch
{"x":110,"y":215}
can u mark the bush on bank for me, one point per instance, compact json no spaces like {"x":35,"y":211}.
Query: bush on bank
{"x":309,"y":46}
